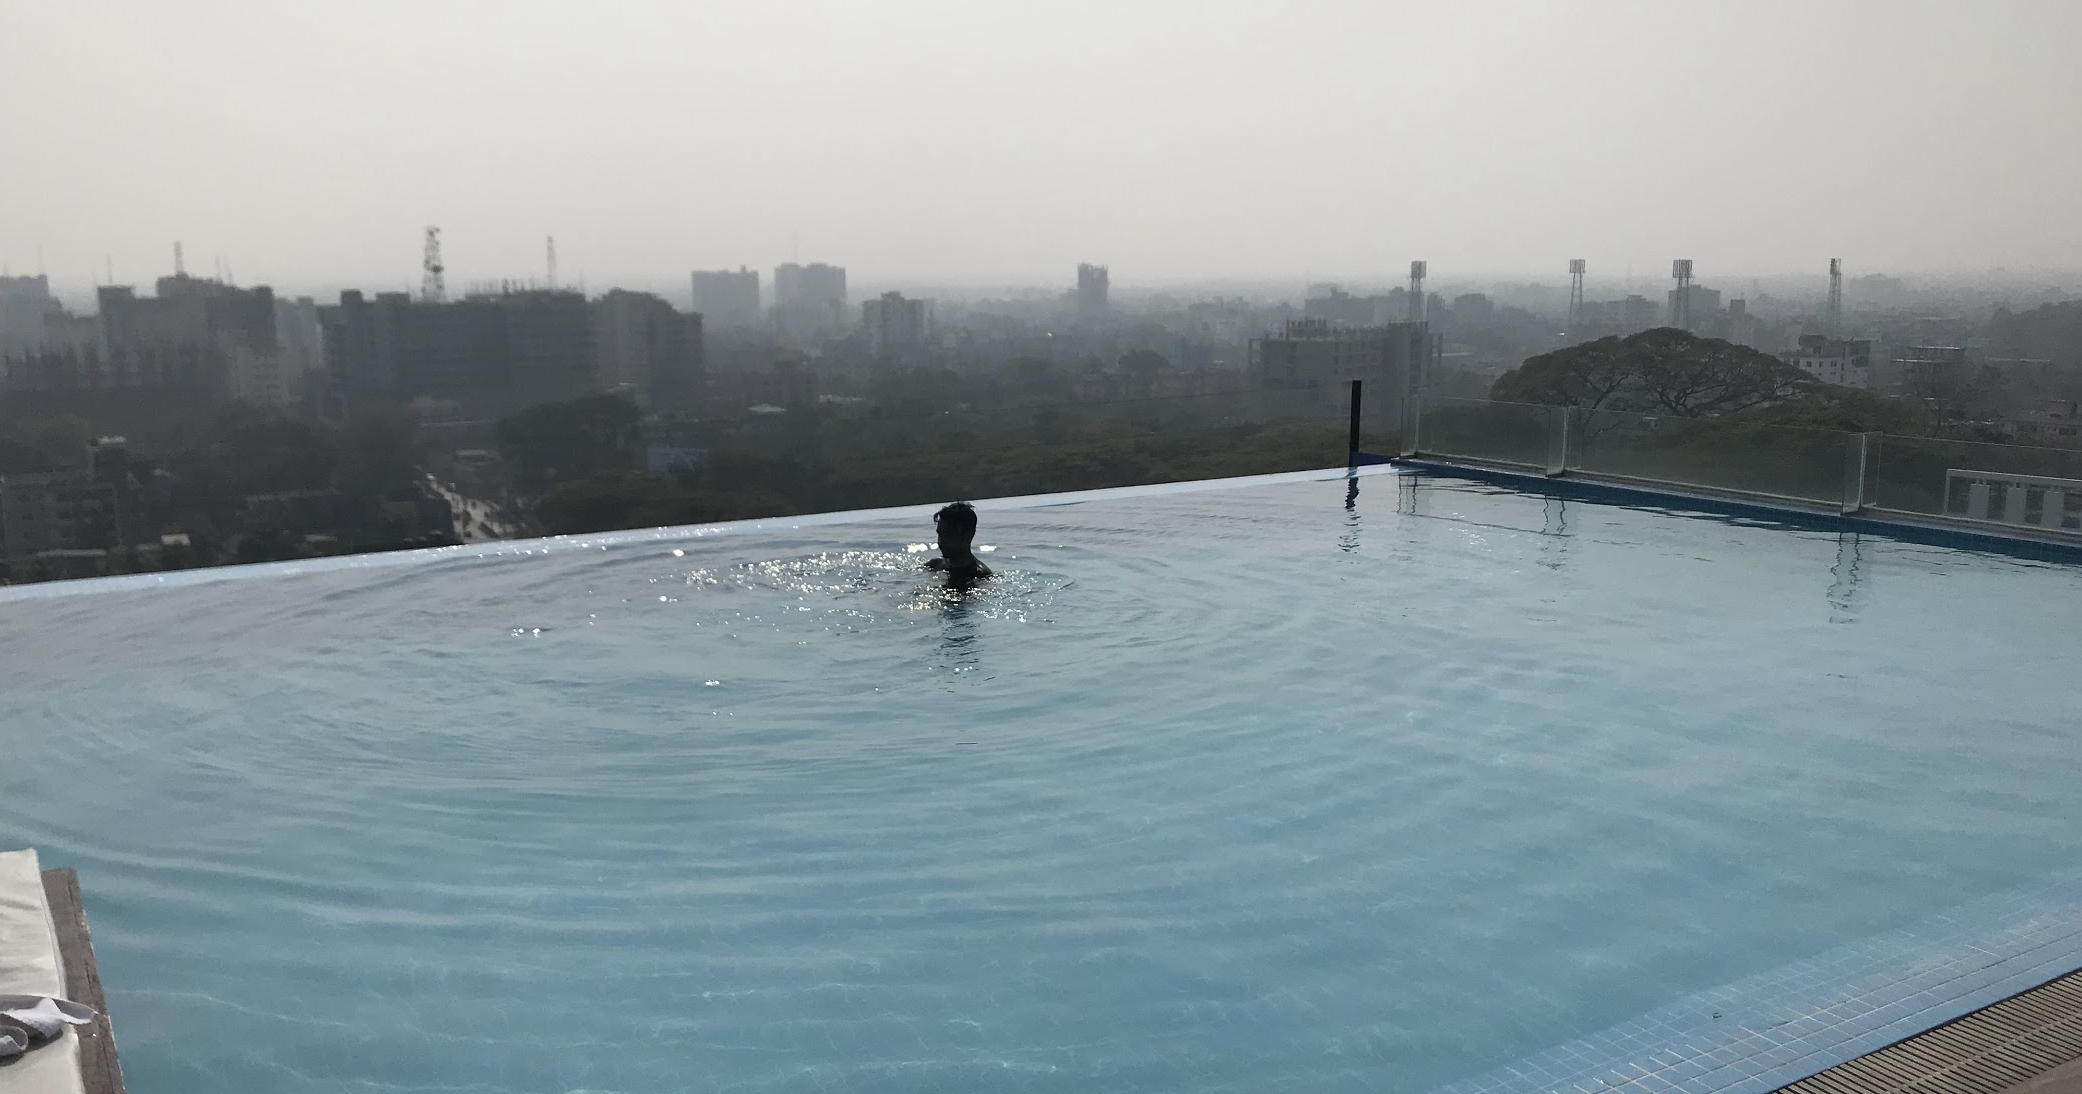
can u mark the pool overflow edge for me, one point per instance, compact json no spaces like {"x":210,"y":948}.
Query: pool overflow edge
{"x":101,"y":1072}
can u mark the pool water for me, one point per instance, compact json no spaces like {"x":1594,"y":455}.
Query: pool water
{"x":1292,"y":784}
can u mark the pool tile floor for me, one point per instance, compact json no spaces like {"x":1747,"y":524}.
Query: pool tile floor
{"x":1762,"y":1033}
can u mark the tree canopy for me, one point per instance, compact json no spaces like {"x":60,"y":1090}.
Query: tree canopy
{"x":247,"y":450}
{"x":1139,"y":370}
{"x":556,"y":441}
{"x":733,"y":485}
{"x":1661,"y":371}
{"x":43,"y":444}
{"x":2049,"y":332}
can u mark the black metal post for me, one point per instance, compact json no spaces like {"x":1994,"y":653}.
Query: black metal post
{"x":1352,"y":453}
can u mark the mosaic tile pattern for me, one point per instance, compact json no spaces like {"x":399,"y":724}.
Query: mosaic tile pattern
{"x":1758,"y":1034}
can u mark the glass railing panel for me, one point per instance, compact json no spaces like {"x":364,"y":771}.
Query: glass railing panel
{"x":1519,"y":434}
{"x":1733,"y":454}
{"x":2015,"y":485}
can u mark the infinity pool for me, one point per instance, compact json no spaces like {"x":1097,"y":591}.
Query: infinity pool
{"x":1286,"y":785}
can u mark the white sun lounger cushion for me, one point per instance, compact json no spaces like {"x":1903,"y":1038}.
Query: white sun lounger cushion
{"x":30,"y":966}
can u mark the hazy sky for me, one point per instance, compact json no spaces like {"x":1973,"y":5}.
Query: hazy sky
{"x":311,"y":142}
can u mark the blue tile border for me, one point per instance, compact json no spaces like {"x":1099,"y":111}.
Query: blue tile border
{"x":1763,"y":1032}
{"x":1906,"y":527}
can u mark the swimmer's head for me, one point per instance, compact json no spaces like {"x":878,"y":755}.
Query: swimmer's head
{"x":957,"y":528}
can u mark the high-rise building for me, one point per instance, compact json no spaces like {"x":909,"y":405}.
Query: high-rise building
{"x":1313,"y":358}
{"x":1473,"y":309}
{"x":195,"y":345}
{"x":1092,"y":290}
{"x":548,"y":343}
{"x":1636,"y":312}
{"x":241,"y":324}
{"x":392,"y":348}
{"x":728,"y":298}
{"x":26,"y":305}
{"x":1339,"y":308}
{"x":108,"y":464}
{"x":258,"y":376}
{"x":187,"y":309}
{"x":229,"y":313}
{"x":54,"y":511}
{"x":1932,"y":371}
{"x":1744,"y":328}
{"x":297,"y":332}
{"x":1847,"y":362}
{"x":35,"y":287}
{"x":491,"y":351}
{"x":645,"y":343}
{"x":1607,"y":318}
{"x":133,"y":383}
{"x":895,"y":324}
{"x":1696,"y":308}
{"x":97,"y":508}
{"x":809,"y":301}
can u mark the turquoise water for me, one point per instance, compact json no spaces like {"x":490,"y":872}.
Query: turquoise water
{"x":1244,"y":789}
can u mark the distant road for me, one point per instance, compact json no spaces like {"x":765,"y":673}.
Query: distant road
{"x":475,"y":518}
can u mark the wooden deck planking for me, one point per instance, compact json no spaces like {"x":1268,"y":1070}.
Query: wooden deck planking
{"x":2029,"y":1043}
{"x":100,"y":1071}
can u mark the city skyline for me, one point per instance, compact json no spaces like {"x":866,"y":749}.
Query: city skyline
{"x":2021,"y":285}
{"x":1172,"y":144}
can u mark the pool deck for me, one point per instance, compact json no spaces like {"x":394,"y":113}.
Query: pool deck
{"x":100,"y":1072}
{"x":2066,"y":1079}
{"x":2030,"y":1043}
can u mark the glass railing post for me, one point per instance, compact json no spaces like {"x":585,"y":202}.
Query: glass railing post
{"x":1557,"y":440}
{"x":1876,"y":471}
{"x":1855,"y":452}
{"x":1352,"y":447}
{"x":1413,"y":423}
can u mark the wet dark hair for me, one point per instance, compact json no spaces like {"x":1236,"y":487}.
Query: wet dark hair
{"x":959,"y":519}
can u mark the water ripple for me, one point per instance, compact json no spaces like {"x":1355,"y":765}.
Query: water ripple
{"x":1233,"y":790}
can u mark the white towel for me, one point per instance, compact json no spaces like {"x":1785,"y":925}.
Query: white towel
{"x":43,"y":1016}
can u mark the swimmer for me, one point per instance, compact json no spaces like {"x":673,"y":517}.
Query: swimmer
{"x":957,"y":529}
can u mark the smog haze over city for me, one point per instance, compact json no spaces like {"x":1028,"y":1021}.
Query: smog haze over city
{"x":281,"y":280}
{"x":998,"y":143}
